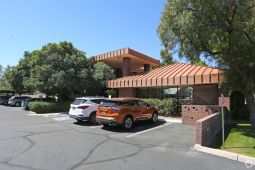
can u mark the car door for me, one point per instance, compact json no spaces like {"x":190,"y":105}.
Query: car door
{"x":143,"y":108}
{"x":134,"y":109}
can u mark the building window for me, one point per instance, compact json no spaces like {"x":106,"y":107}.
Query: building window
{"x":166,"y":92}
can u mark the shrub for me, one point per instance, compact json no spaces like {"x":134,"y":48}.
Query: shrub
{"x":168,"y":106}
{"x":49,"y":107}
{"x":111,"y":92}
{"x":165,"y":107}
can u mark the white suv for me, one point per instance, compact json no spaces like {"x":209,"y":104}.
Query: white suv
{"x":85,"y":108}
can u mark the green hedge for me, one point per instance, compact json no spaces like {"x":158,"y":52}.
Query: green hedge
{"x":165,"y":107}
{"x":168,"y":106}
{"x":49,"y":107}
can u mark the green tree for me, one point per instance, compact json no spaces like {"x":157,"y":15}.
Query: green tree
{"x":56,"y":69}
{"x":1,"y":70}
{"x":3,"y":83}
{"x":221,"y":30}
{"x":198,"y":62}
{"x":12,"y":79}
{"x":101,"y":74}
{"x":166,"y":57}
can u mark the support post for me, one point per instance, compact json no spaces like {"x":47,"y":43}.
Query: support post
{"x":222,"y":119}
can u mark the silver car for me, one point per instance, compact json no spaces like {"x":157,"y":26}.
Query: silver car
{"x":17,"y":100}
{"x":4,"y":100}
{"x":85,"y":108}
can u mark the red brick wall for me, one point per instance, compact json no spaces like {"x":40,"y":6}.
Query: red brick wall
{"x":226,"y":102}
{"x":126,"y":66}
{"x":207,"y":128}
{"x":192,"y":113}
{"x":205,"y":94}
{"x":127,"y":92}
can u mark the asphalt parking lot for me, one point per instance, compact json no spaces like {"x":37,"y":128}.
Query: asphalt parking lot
{"x":32,"y":142}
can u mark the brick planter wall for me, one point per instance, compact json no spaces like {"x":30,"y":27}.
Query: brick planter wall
{"x":192,"y":113}
{"x":207,"y":128}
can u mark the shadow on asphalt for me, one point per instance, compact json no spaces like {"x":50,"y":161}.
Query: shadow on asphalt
{"x":86,"y":124}
{"x":138,"y":127}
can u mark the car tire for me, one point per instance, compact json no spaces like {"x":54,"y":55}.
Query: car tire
{"x":154,"y":117}
{"x":92,"y":118}
{"x":79,"y":121}
{"x":127,"y":123}
{"x":106,"y":125}
{"x":17,"y":104}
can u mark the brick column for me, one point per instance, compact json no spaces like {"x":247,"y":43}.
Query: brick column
{"x":126,"y":66}
{"x":205,"y":94}
{"x":127,"y":92}
{"x":146,"y":67}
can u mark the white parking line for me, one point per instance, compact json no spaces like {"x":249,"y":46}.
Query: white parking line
{"x":62,"y":118}
{"x":148,"y":130}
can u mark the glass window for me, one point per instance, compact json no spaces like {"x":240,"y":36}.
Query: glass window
{"x":130,"y":102}
{"x":79,"y":101}
{"x":97,"y":101}
{"x":141,"y":103}
{"x":111,"y":103}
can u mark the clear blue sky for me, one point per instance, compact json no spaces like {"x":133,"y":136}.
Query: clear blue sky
{"x":93,"y":26}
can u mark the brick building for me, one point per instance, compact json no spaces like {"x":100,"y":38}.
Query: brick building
{"x":139,"y":75}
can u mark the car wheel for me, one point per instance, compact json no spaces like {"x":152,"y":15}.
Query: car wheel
{"x":106,"y":125}
{"x":5,"y":103}
{"x":154,"y":117}
{"x":92,"y":118}
{"x":17,"y":104}
{"x":79,"y":121}
{"x":127,"y":123}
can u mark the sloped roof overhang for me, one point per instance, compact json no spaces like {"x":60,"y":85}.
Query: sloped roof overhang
{"x":115,"y":58}
{"x":172,"y":75}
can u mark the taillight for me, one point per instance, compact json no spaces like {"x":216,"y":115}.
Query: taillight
{"x":83,"y":107}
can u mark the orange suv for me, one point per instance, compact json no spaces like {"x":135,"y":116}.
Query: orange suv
{"x":124,"y":112}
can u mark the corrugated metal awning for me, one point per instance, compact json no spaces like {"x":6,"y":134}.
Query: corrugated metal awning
{"x":178,"y":74}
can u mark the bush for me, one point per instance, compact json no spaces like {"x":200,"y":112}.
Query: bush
{"x":111,"y":92}
{"x":168,"y":106}
{"x":48,"y":107}
{"x":165,"y":107}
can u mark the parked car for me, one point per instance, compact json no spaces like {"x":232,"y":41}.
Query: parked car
{"x":4,"y":100}
{"x":125,"y":111}
{"x":27,"y":101}
{"x":17,"y":100}
{"x":85,"y":108}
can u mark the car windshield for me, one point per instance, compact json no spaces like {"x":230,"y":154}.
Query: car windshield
{"x":12,"y":97}
{"x":111,"y":103}
{"x":79,"y":101}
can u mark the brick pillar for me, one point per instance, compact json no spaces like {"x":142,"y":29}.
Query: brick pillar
{"x":127,"y":92}
{"x":205,"y":94}
{"x":126,"y":66}
{"x":146,"y":67}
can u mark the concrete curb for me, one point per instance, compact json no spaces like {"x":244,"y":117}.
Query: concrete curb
{"x":249,"y":161}
{"x":171,"y":120}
